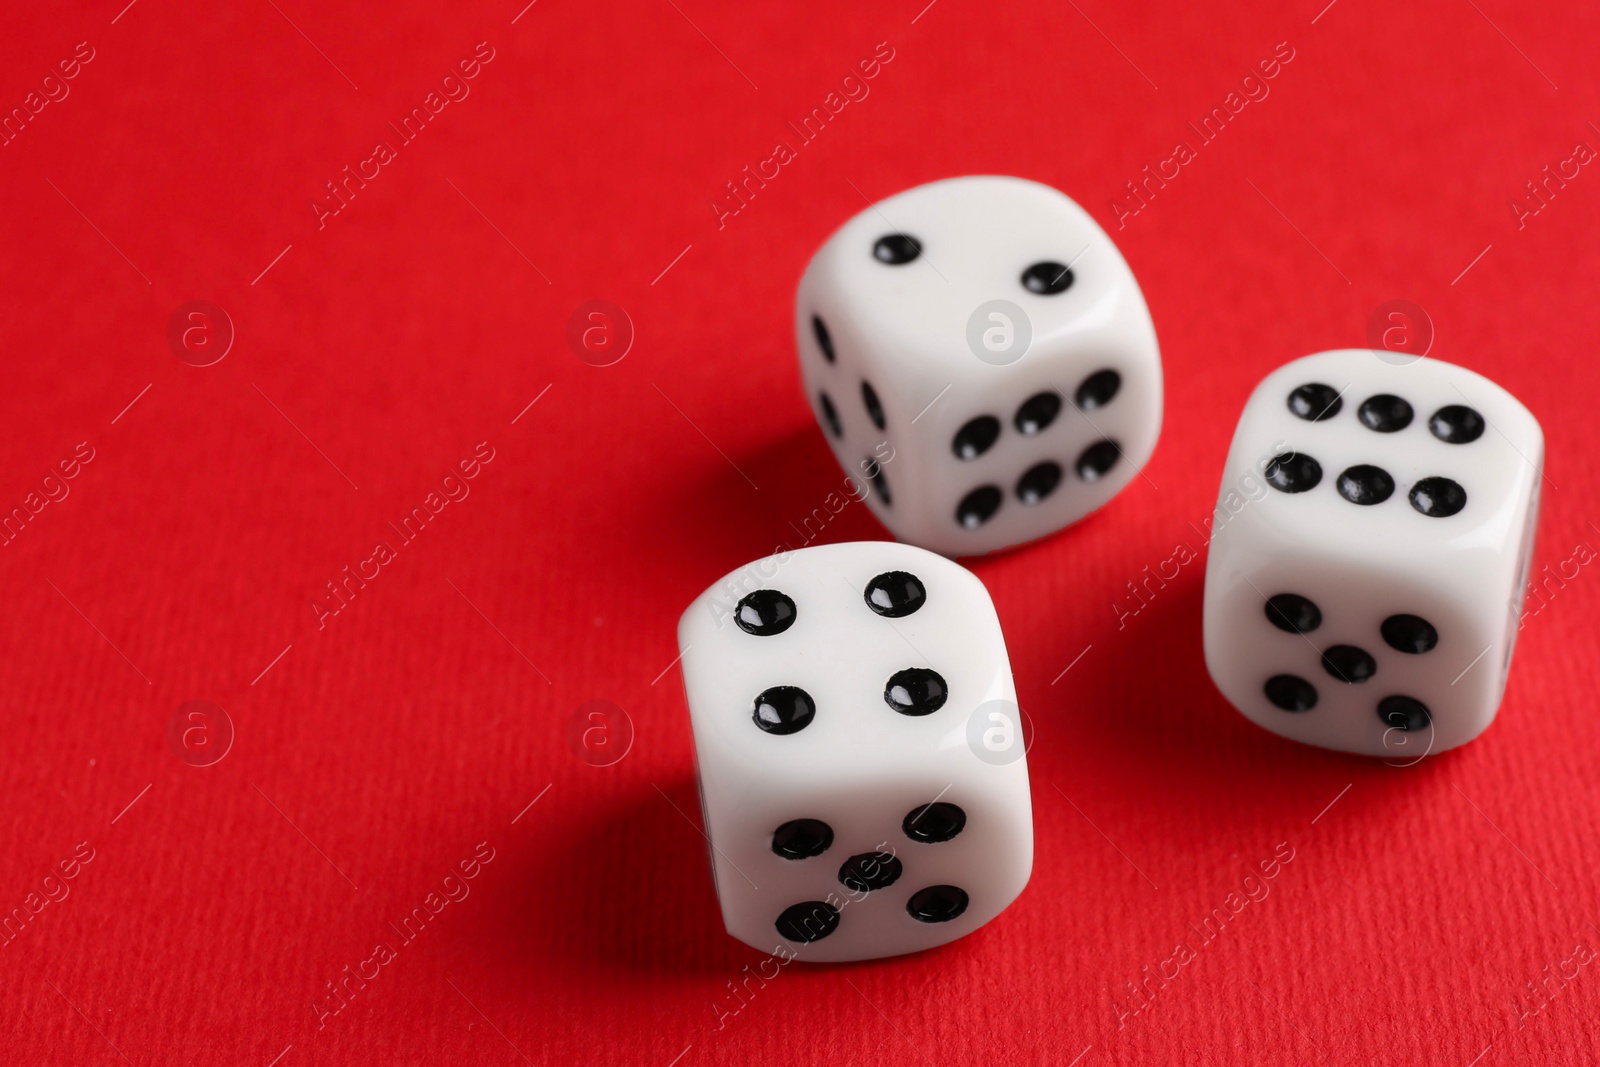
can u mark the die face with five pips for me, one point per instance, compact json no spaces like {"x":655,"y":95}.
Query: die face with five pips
{"x":981,"y":361}
{"x":1371,"y":544}
{"x":983,"y":365}
{"x":852,"y":807}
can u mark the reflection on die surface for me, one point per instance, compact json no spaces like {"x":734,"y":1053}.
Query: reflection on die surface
{"x":860,"y":752}
{"x":985,"y":335}
{"x":1374,"y":533}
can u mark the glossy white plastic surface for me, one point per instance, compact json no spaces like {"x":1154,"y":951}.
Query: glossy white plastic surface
{"x":1360,"y":564}
{"x":905,"y":330}
{"x":859,"y":766}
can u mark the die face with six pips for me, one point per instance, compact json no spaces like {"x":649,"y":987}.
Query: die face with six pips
{"x":1372,"y":540}
{"x":986,"y":335}
{"x":832,"y":695}
{"x":982,"y":363}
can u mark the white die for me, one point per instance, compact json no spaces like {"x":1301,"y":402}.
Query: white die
{"x":1061,"y":409}
{"x":1382,"y":626}
{"x":873,"y":817}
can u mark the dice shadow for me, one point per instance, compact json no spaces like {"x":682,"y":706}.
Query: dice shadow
{"x":1190,"y":742}
{"x":633,"y":894}
{"x":636,"y":904}
{"x":713,"y":518}
{"x":1150,"y":676}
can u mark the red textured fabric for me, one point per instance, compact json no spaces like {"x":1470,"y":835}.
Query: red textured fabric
{"x":371,"y":815}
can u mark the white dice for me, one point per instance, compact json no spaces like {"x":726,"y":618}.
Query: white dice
{"x":859,"y":749}
{"x":981,"y":360}
{"x":1371,"y":544}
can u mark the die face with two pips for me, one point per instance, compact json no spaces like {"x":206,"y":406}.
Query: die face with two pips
{"x":832,"y":695}
{"x":981,"y":361}
{"x":1372,"y":541}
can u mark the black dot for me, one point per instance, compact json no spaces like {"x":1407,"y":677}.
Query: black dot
{"x":1315,"y":402}
{"x":869,"y":397}
{"x":800,"y":839}
{"x":1349,"y":663}
{"x":1409,"y":633}
{"x":764,"y":613}
{"x":1037,"y":412}
{"x":1384,"y":413}
{"x":1293,"y":472}
{"x":895,"y":594}
{"x":976,"y":437}
{"x":1365,"y":484}
{"x":874,"y":471}
{"x":1438,"y":498}
{"x":824,"y":340}
{"x":979,"y":506}
{"x":1291,"y":693}
{"x":1098,"y":389}
{"x":897,"y":249}
{"x":1293,"y":613}
{"x":1097,"y":459}
{"x":784,"y":709}
{"x":1038,"y":481}
{"x":1047,"y":278}
{"x":1456,"y":424}
{"x":937,"y":903}
{"x":829,"y":414}
{"x":1404,"y":713}
{"x":869,"y":871}
{"x":934,"y":822}
{"x":916,"y":691}
{"x":812,"y":920}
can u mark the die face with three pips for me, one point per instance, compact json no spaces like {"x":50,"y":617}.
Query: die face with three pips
{"x":845,"y":700}
{"x":981,"y":361}
{"x":1372,"y":541}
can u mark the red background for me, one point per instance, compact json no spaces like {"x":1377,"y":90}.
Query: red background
{"x":373,"y":753}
